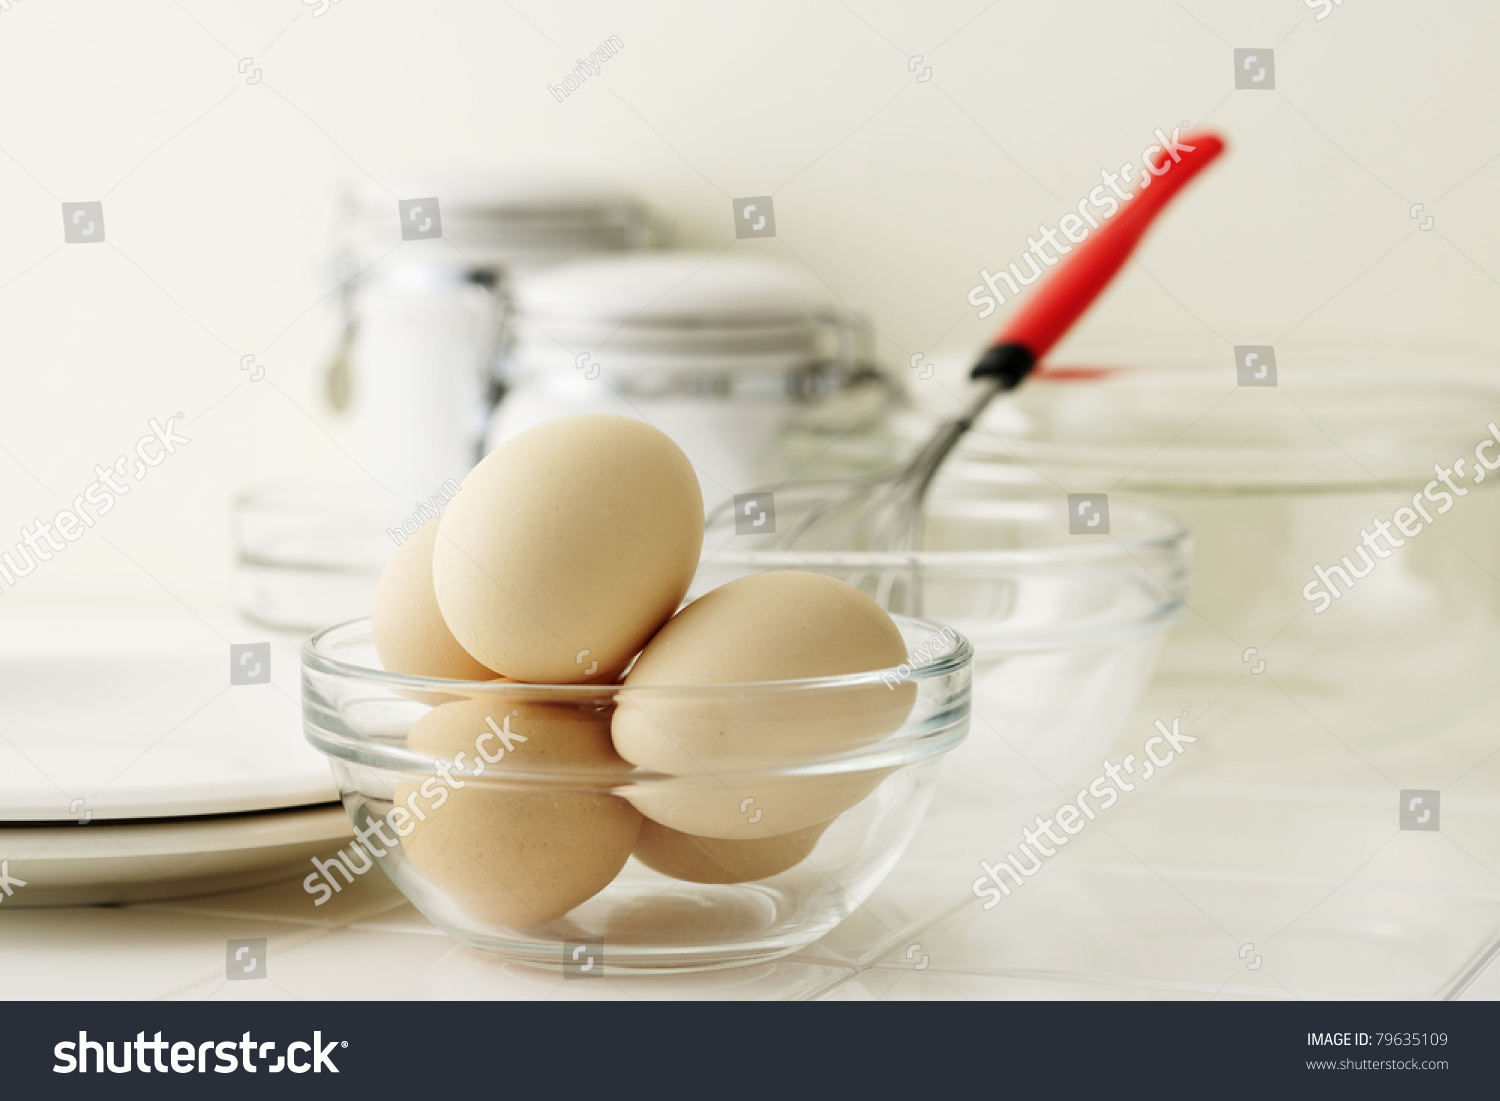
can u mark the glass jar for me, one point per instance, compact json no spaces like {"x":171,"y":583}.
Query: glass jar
{"x":427,"y":319}
{"x":727,"y":353}
{"x":425,"y":335}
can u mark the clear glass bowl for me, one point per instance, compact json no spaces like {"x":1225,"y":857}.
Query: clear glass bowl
{"x":1067,"y":629}
{"x":306,"y":554}
{"x":527,"y":857}
{"x":1276,"y":482}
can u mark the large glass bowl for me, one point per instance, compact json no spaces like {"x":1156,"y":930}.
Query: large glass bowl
{"x":1279,"y":483}
{"x":501,"y":857}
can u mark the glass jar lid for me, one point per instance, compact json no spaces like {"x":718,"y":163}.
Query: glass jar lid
{"x":679,"y":321}
{"x":695,"y":292}
{"x":499,"y":221}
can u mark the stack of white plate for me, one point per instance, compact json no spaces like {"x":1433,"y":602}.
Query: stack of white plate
{"x":132,"y":769}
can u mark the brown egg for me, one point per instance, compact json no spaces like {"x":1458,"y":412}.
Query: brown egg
{"x":522,"y":853}
{"x":410,"y":635}
{"x":711,"y":860}
{"x":774,"y":626}
{"x":567,"y":547}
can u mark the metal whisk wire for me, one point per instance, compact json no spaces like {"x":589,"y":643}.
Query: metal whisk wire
{"x":885,"y":511}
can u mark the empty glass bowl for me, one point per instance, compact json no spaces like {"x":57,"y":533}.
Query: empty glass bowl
{"x":307,"y":554}
{"x":1066,"y":628}
{"x":502,"y":813}
{"x":1279,"y":483}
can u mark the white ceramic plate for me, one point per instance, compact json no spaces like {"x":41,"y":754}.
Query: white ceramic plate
{"x":114,"y":862}
{"x":127,"y":716}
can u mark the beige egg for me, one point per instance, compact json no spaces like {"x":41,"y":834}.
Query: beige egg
{"x":517,"y":854}
{"x":774,"y":626}
{"x":567,"y":547}
{"x":410,"y":635}
{"x":712,"y":860}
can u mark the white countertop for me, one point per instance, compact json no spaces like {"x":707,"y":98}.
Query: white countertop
{"x":1335,"y":900}
{"x":1269,"y":832}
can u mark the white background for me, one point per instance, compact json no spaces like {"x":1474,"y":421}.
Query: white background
{"x":219,"y":196}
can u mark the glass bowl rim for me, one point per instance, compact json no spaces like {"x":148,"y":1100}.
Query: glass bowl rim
{"x":1175,"y":536}
{"x":894,"y":750}
{"x":291,"y":496}
{"x":1199,"y":468}
{"x":313,"y":657}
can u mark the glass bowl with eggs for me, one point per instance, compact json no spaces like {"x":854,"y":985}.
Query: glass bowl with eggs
{"x":557,"y":760}
{"x":512,"y":816}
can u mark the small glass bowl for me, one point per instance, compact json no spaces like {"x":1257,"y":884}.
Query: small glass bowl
{"x":507,"y":863}
{"x":306,"y":554}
